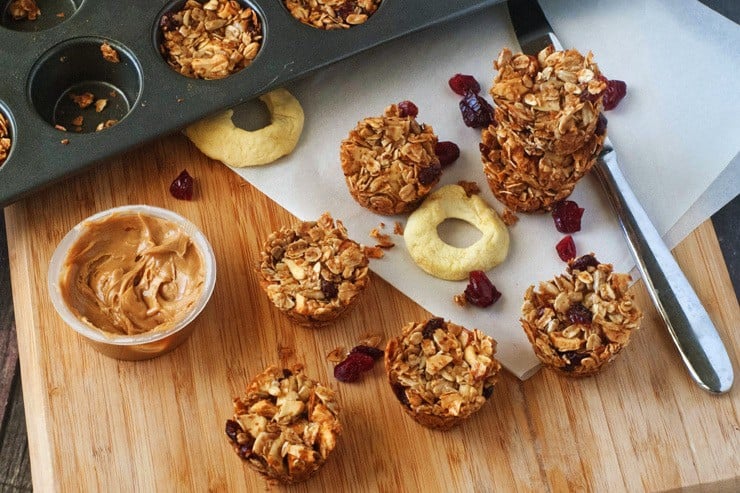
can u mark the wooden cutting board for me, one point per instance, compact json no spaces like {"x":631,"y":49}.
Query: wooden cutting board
{"x":98,"y":424}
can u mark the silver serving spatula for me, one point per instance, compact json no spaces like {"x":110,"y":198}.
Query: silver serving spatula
{"x":689,"y":324}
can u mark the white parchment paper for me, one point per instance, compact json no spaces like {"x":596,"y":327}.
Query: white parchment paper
{"x":675,"y":132}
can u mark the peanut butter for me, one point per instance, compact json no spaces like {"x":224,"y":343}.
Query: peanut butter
{"x":131,"y":273}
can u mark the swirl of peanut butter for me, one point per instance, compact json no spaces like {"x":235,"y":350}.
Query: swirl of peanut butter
{"x":130,"y":273}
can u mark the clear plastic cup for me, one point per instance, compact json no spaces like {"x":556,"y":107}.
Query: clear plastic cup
{"x":147,"y":344}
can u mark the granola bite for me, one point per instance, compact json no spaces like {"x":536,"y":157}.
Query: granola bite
{"x":332,"y":14}
{"x":5,"y":141}
{"x":579,"y":321}
{"x":389,"y":162}
{"x":24,"y":9}
{"x":440,"y":372}
{"x":313,"y":273}
{"x":211,"y":39}
{"x":286,"y":425}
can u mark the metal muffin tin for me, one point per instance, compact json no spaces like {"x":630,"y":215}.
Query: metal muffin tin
{"x":46,"y":59}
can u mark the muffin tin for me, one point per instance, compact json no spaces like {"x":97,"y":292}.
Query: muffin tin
{"x":59,"y":53}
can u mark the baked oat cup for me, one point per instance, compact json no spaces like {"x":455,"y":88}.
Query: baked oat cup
{"x":389,"y":162}
{"x":313,"y":272}
{"x":440,"y":372}
{"x":579,"y":321}
{"x":332,"y":14}
{"x":286,"y":425}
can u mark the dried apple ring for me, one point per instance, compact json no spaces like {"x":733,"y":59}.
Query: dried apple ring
{"x":446,"y":261}
{"x":219,"y":138}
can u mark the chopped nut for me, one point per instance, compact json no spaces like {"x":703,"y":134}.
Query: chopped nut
{"x":332,"y":14}
{"x":100,"y":105}
{"x":24,"y":9}
{"x":82,"y":100}
{"x":109,"y":53}
{"x":470,"y":187}
{"x":460,"y":299}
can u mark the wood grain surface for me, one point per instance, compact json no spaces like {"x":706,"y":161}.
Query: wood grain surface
{"x":98,"y":424}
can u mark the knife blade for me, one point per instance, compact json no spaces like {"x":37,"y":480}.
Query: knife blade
{"x":687,"y":321}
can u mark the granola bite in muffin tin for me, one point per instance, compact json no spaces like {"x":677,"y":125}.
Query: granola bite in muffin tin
{"x":389,"y":162}
{"x":286,"y":425}
{"x":548,"y":129}
{"x":313,"y":273}
{"x":210,"y":40}
{"x":441,"y":373}
{"x":5,"y":141}
{"x":332,"y":14}
{"x":579,"y":321}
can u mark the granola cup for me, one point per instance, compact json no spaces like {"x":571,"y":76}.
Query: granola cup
{"x":5,"y":141}
{"x":440,"y":372}
{"x":389,"y":162}
{"x":552,"y":101}
{"x":211,"y":39}
{"x":532,"y":182}
{"x":332,"y":14}
{"x":579,"y":321}
{"x":285,"y":426}
{"x":313,"y":273}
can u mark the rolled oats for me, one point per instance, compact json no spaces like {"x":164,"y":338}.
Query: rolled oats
{"x":286,"y":425}
{"x":211,"y":39}
{"x":555,"y":317}
{"x":24,"y":9}
{"x":5,"y":141}
{"x":109,"y":53}
{"x":389,"y":162}
{"x":313,"y":273}
{"x":82,"y":100}
{"x":332,"y":14}
{"x":441,"y":373}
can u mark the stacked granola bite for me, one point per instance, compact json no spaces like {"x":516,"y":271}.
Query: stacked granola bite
{"x":548,"y":128}
{"x":440,"y":372}
{"x":389,"y":162}
{"x":5,"y":141}
{"x":313,"y":273}
{"x":579,"y":321}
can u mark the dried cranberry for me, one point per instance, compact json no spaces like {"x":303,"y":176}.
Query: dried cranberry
{"x":232,"y":428}
{"x":245,"y":450}
{"x":400,"y":392}
{"x":168,"y":23}
{"x":447,"y":152}
{"x":352,"y":367}
{"x":329,"y":289}
{"x":480,"y":291}
{"x":427,"y":176}
{"x":584,"y":262}
{"x":432,"y":325}
{"x":476,"y":111}
{"x":616,"y":90}
{"x":287,"y":373}
{"x":579,"y":314}
{"x":566,"y":248}
{"x":182,"y":187}
{"x":461,"y":84}
{"x":574,"y":359}
{"x":373,"y":352}
{"x":600,"y":125}
{"x":487,"y":392}
{"x":567,"y":216}
{"x":407,"y":108}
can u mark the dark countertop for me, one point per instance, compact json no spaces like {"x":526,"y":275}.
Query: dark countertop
{"x":15,"y":468}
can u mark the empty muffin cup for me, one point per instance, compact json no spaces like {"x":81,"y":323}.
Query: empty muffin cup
{"x":131,"y":280}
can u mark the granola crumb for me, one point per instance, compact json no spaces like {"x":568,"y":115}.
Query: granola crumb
{"x":109,"y":53}
{"x":373,"y":252}
{"x":470,"y":187}
{"x":398,"y":228}
{"x":100,"y":105}
{"x":384,"y":240}
{"x":82,"y":100}
{"x":77,"y":122}
{"x":61,"y":128}
{"x":460,"y":300}
{"x":64,"y":141}
{"x":61,"y":15}
{"x":105,"y":124}
{"x":24,"y":9}
{"x":509,"y":217}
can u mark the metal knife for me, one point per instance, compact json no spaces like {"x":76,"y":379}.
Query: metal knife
{"x":687,"y":321}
